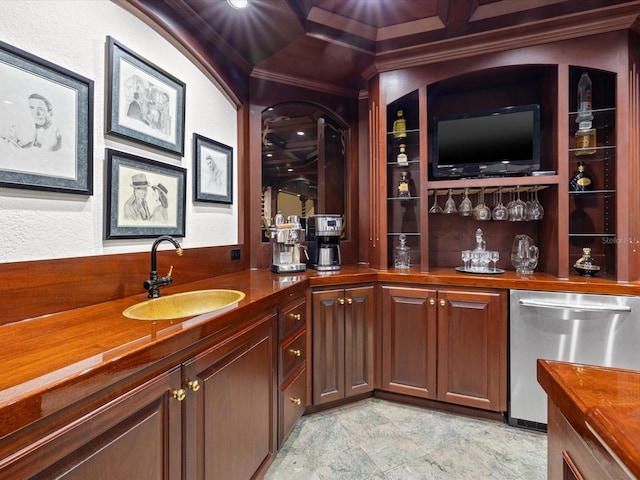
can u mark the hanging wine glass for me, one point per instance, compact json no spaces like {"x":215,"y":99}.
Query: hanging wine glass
{"x":518,"y":209}
{"x":465,"y":209}
{"x":450,"y":204}
{"x":500,"y":212}
{"x":435,"y":208}
{"x":481,"y":212}
{"x":534,"y":209}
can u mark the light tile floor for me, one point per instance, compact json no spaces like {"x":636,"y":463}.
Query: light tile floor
{"x":380,"y":440}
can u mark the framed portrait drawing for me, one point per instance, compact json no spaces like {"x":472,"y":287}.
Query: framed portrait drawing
{"x":213,"y":177}
{"x":144,"y":198}
{"x":144,"y":103}
{"x":46,"y":125}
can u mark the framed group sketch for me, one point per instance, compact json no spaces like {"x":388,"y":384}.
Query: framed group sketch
{"x":144,"y":103}
{"x":213,"y":172}
{"x":144,"y":198}
{"x":46,"y":125}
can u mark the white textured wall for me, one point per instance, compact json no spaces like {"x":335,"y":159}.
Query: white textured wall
{"x":37,"y":225}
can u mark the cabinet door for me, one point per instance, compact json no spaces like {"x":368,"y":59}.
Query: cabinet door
{"x":230,"y":420}
{"x":137,"y":435}
{"x":409,"y":341}
{"x":358,"y":368}
{"x":328,"y":346}
{"x":472,"y":339}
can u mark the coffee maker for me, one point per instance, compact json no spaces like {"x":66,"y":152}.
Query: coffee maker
{"x":324,"y":232}
{"x":286,"y":243}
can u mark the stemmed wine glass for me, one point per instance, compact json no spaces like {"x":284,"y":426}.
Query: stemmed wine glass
{"x":517,"y":208}
{"x":466,"y":256}
{"x":495,"y":256}
{"x":481,"y":212}
{"x":465,"y":209}
{"x":450,"y":204}
{"x":435,"y":208}
{"x":534,"y":209}
{"x":500,"y":212}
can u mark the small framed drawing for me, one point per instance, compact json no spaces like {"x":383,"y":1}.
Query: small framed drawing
{"x":213,"y":179}
{"x":144,"y":198}
{"x":46,"y":125}
{"x":144,"y":103}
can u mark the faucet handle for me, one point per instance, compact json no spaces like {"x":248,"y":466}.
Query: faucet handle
{"x":170,"y":271}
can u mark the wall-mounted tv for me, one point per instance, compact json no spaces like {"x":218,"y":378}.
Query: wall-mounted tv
{"x":500,"y":142}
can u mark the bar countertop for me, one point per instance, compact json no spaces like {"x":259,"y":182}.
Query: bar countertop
{"x":601,"y":403}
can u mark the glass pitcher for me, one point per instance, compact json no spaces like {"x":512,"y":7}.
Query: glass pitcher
{"x":524,"y":254}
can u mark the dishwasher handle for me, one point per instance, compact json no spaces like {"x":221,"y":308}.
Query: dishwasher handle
{"x":577,"y":308}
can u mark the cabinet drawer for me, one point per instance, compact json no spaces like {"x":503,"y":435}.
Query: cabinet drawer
{"x":292,"y":318}
{"x":292,"y":405}
{"x":292,"y":355}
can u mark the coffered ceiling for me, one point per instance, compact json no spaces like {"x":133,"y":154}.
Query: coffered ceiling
{"x":339,"y":44}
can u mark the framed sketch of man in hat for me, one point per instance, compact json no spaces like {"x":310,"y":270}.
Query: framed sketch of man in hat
{"x":144,"y":198}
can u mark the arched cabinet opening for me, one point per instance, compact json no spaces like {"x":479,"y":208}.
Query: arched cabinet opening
{"x":304,"y":163}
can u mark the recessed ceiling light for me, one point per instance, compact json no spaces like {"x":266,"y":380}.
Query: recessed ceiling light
{"x":289,"y":169}
{"x":300,"y":133}
{"x":238,"y":3}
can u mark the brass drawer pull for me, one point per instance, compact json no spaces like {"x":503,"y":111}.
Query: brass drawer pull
{"x":194,"y":385}
{"x":349,"y":301}
{"x":432,"y":301}
{"x":443,"y":303}
{"x":296,"y":401}
{"x":179,"y":394}
{"x":341,"y":301}
{"x":296,"y":316}
{"x":295,"y":352}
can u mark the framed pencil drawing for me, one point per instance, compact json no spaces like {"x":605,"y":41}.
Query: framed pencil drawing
{"x":46,"y":125}
{"x":144,"y":198}
{"x":213,"y":177}
{"x":144,"y":103}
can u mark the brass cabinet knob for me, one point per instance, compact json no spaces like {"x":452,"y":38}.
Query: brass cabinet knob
{"x":341,"y":301}
{"x":179,"y":394}
{"x":442,"y":303}
{"x":432,"y":301}
{"x":295,"y":352}
{"x":349,"y":301}
{"x":194,"y":385}
{"x":296,"y":401}
{"x":296,"y":316}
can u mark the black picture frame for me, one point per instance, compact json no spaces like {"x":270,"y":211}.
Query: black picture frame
{"x":144,"y":103}
{"x":130,"y":212}
{"x":46,"y":125}
{"x":213,"y":167}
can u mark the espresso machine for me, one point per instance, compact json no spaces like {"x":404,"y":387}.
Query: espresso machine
{"x":323,"y":233}
{"x":286,"y":245}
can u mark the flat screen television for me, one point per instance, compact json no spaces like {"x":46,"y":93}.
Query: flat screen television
{"x":500,"y":142}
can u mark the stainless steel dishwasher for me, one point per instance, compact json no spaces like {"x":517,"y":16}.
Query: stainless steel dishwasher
{"x":581,"y":328}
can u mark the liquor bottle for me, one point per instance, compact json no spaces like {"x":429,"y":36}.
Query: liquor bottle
{"x":403,"y":186}
{"x":400,"y":125}
{"x":585,"y":139}
{"x":580,"y":181}
{"x":402,"y":159}
{"x":402,"y":259}
{"x":586,"y":135}
{"x":584,"y":99}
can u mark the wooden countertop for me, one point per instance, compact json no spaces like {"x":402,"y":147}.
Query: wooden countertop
{"x":601,"y":403}
{"x":51,"y":361}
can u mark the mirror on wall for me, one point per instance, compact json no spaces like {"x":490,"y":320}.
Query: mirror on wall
{"x":303,"y":163}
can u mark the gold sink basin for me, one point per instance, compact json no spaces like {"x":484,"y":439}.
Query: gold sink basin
{"x":178,"y":305}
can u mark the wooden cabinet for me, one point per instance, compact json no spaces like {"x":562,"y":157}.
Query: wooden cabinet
{"x":292,"y":376}
{"x":211,"y":417}
{"x":544,"y":75}
{"x":230,"y":424}
{"x":445,"y":344}
{"x":343,"y":355}
{"x":137,"y":435}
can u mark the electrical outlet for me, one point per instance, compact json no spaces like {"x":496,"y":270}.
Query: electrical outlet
{"x":235,"y":254}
